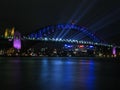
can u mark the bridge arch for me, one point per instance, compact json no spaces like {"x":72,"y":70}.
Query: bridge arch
{"x":62,"y":30}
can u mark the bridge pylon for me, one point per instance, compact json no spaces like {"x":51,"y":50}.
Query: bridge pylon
{"x":17,"y":40}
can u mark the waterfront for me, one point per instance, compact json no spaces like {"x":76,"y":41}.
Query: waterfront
{"x":59,"y":73}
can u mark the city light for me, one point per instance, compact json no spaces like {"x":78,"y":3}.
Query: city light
{"x":81,"y":46}
{"x":17,"y":40}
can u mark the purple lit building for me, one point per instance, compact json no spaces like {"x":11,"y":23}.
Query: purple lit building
{"x":114,"y":51}
{"x":17,"y":40}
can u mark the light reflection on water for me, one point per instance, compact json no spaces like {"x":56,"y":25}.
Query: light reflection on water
{"x":57,"y":74}
{"x":67,"y":74}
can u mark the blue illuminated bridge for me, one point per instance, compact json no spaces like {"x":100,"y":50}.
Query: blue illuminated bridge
{"x":68,"y":33}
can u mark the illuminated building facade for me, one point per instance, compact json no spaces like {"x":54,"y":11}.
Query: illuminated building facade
{"x":114,"y":51}
{"x":17,"y":40}
{"x":9,"y":33}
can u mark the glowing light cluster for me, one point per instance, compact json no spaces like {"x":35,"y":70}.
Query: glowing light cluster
{"x":9,"y":33}
{"x":17,"y":40}
{"x":81,"y":46}
{"x":68,"y":46}
{"x":114,"y":50}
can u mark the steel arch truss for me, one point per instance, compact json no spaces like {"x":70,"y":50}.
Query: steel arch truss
{"x":44,"y":32}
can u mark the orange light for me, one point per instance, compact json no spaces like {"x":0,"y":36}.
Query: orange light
{"x":81,"y":46}
{"x":6,"y":33}
{"x":12,"y":31}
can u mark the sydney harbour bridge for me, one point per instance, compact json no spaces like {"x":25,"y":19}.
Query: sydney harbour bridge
{"x":61,"y":33}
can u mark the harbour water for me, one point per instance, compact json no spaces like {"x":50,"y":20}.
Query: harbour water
{"x":59,"y":73}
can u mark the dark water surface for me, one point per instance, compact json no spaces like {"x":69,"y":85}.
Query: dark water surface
{"x":34,"y":73}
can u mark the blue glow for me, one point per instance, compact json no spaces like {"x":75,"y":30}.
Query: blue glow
{"x":60,"y":39}
{"x":65,"y":45}
{"x":104,"y":21}
{"x":91,"y":4}
{"x":46,"y":38}
{"x":65,"y":28}
{"x":45,"y":61}
{"x":57,"y":62}
{"x":91,"y":46}
{"x":79,"y":10}
{"x":68,"y":46}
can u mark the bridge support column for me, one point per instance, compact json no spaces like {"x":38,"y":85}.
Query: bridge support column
{"x":114,"y":51}
{"x":17,"y":40}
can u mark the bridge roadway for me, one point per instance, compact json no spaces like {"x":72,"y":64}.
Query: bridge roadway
{"x":63,"y":40}
{"x":70,"y":41}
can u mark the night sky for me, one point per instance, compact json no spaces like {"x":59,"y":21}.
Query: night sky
{"x":101,"y":17}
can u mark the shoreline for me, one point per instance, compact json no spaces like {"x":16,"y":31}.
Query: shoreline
{"x":56,"y":57}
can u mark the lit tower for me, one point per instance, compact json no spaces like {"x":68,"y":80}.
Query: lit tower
{"x":6,"y":33}
{"x":114,"y":51}
{"x":9,"y":33}
{"x":17,"y":40}
{"x":12,"y":31}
